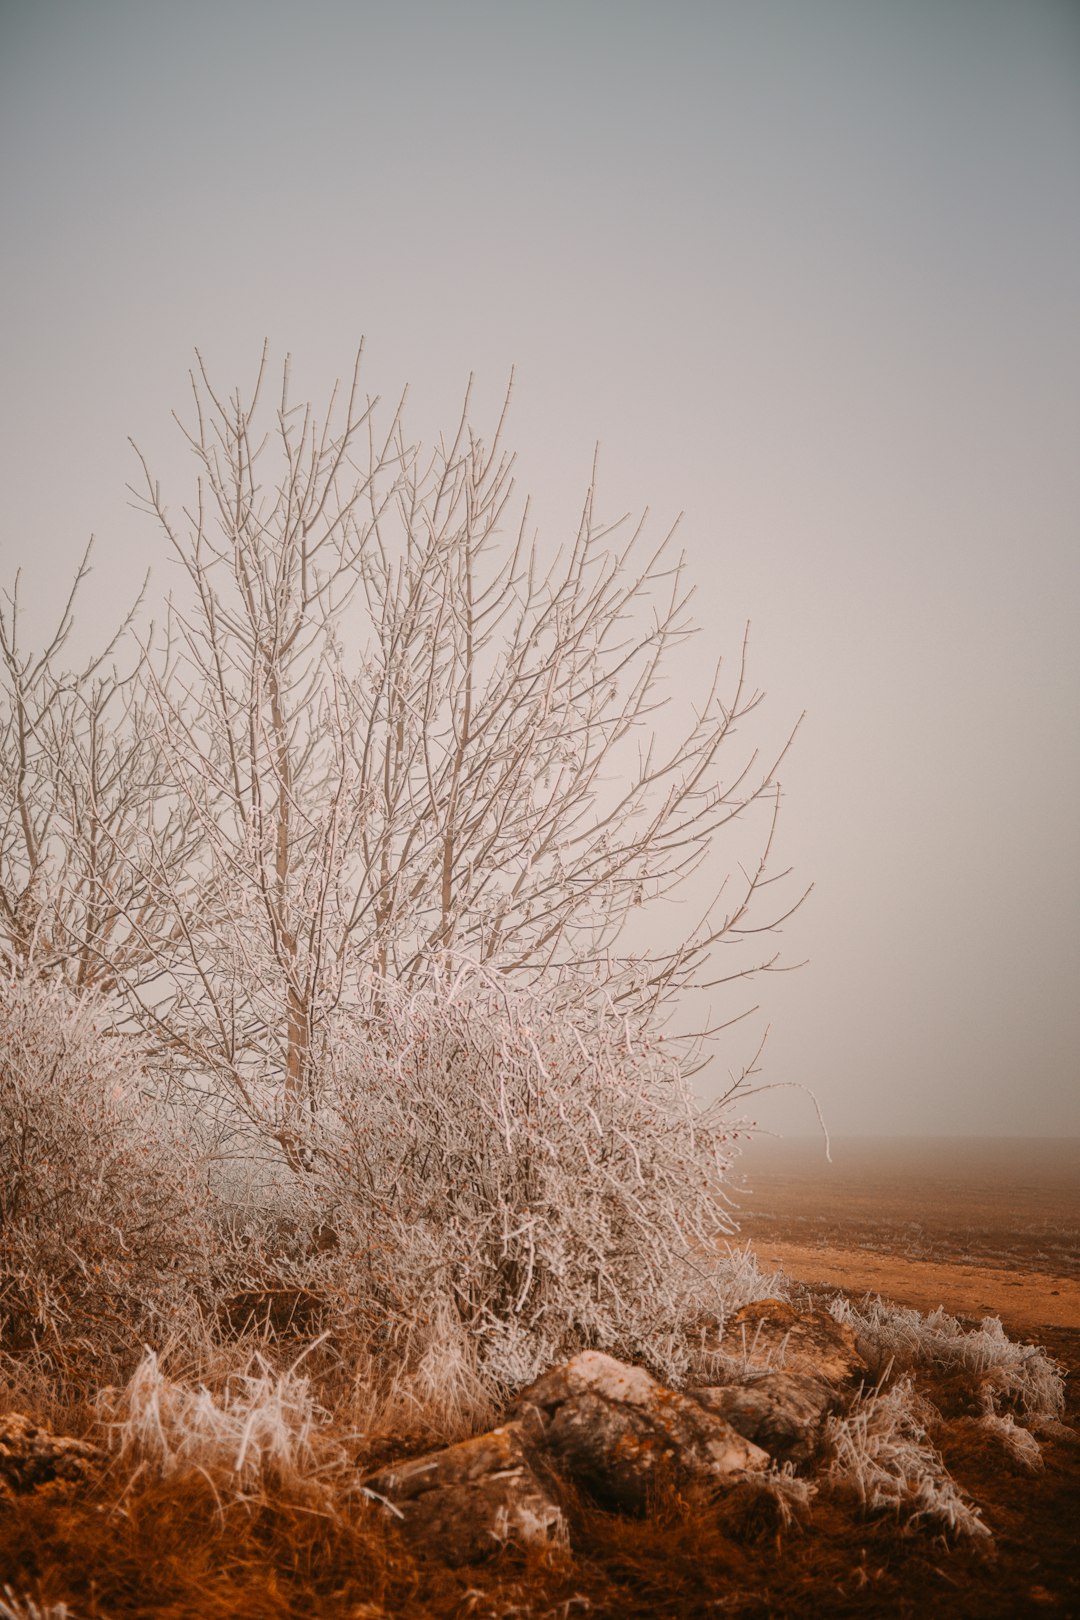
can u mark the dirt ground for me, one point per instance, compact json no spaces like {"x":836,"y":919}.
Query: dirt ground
{"x":979,"y":1225}
{"x":1026,"y":1302}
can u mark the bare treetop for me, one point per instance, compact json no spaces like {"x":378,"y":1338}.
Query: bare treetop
{"x":380,"y":723}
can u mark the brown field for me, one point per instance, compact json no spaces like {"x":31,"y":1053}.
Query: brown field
{"x":979,"y":1225}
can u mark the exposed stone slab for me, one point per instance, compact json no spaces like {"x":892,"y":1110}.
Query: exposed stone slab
{"x":782,"y":1411}
{"x":614,"y":1429}
{"x":31,"y":1456}
{"x":469,"y":1499}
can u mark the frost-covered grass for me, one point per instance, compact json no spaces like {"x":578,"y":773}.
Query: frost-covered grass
{"x":14,"y":1608}
{"x":1019,"y":1445}
{"x":433,"y":1388}
{"x":1015,"y":1377}
{"x":880,"y":1450}
{"x":789,"y":1494}
{"x":261,"y":1433}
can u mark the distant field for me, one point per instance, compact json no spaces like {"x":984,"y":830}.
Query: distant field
{"x":974,"y":1223}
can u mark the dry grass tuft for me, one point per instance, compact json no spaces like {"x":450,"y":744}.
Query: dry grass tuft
{"x":262,"y":1435}
{"x":1020,"y":1378}
{"x":880,"y":1451}
{"x":14,"y":1608}
{"x":765,"y":1505}
{"x":1019,"y":1446}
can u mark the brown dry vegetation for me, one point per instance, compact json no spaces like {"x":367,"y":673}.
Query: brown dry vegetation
{"x":131,"y":1544}
{"x":308,"y":1543}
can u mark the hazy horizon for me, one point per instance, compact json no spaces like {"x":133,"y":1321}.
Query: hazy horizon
{"x":808,"y":272}
{"x":912,"y":1136}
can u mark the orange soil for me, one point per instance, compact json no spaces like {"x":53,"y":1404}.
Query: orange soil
{"x":1023,"y":1300}
{"x":981,"y":1226}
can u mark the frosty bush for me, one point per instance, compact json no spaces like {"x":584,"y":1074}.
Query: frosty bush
{"x":881,"y":1452}
{"x":96,"y":1199}
{"x":1020,"y":1377}
{"x":534,"y":1160}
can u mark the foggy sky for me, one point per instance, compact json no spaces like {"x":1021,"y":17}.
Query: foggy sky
{"x":810,"y":274}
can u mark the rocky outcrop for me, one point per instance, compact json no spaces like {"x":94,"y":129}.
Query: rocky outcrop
{"x":781,"y":1411}
{"x":615,"y":1430}
{"x":789,"y":1416}
{"x":32,"y":1457}
{"x":771,"y":1336}
{"x":470,"y":1499}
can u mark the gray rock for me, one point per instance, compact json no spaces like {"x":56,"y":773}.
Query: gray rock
{"x":470,"y":1499}
{"x":782,"y":1411}
{"x":32,"y":1457}
{"x":614,"y":1429}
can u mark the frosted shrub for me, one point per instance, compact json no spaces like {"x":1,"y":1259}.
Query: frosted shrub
{"x":1017,"y":1376}
{"x":96,"y":1196}
{"x":880,"y":1451}
{"x":532,"y":1160}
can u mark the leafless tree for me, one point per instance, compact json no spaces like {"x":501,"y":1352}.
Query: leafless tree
{"x":82,"y":788}
{"x":381,"y":723}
